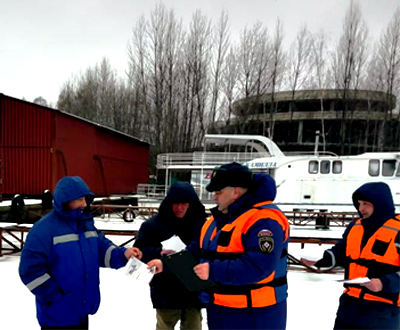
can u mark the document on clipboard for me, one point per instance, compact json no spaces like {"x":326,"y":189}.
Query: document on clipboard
{"x":181,"y":264}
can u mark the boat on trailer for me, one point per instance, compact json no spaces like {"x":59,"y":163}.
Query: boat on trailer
{"x":306,"y":181}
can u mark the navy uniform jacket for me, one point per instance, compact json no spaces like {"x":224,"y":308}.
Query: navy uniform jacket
{"x":167,"y":291}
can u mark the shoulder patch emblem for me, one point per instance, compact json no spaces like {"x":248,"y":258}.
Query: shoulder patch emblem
{"x":264,"y":232}
{"x":266,"y":244}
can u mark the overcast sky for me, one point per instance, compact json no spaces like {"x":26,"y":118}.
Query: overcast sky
{"x":44,"y":42}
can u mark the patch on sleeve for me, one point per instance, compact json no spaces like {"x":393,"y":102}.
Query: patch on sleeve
{"x":264,"y":232}
{"x":266,"y":244}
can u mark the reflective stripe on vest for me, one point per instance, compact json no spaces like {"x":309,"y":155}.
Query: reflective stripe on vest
{"x":379,"y":252}
{"x":270,"y":290}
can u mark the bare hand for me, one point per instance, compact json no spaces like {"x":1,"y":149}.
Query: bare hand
{"x":308,"y":262}
{"x":167,"y":252}
{"x":133,"y":252}
{"x":375,"y":285}
{"x":155,"y":263}
{"x":202,"y":270}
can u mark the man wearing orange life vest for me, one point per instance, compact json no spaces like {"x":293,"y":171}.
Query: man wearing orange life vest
{"x":243,"y":249}
{"x":370,"y":248}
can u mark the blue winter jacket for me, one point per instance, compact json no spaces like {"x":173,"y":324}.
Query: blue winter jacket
{"x":61,"y":258}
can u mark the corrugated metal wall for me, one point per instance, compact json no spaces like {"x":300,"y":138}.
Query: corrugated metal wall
{"x":38,"y":146}
{"x":25,"y":140}
{"x":125,"y":165}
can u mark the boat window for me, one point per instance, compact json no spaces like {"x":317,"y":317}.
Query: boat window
{"x":388,"y":167}
{"x":337,"y":167}
{"x":262,"y":170}
{"x":325,"y":167}
{"x":313,"y":167}
{"x":398,"y":169}
{"x":373,"y":168}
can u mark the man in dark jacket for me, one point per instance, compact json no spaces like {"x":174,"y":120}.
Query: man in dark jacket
{"x":369,"y":249}
{"x":243,"y":249}
{"x":180,"y":214}
{"x":61,"y":258}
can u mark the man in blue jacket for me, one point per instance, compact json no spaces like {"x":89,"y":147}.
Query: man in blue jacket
{"x":61,"y":258}
{"x":370,"y":249}
{"x":243,"y":249}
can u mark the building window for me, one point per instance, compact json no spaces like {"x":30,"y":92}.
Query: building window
{"x":337,"y":167}
{"x":313,"y":167}
{"x":388,"y":167}
{"x":325,"y":167}
{"x":373,"y":168}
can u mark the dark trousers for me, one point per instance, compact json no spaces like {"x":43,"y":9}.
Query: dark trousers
{"x":83,"y":326}
{"x":190,"y":319}
{"x":342,"y":325}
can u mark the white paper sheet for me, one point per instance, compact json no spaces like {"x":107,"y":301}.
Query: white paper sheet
{"x":311,"y":257}
{"x":358,"y":280}
{"x":139,"y":271}
{"x":173,"y":243}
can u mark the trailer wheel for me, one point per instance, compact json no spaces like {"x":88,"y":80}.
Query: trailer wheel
{"x":128,"y":215}
{"x":17,"y":209}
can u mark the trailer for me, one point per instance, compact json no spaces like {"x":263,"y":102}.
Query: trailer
{"x":40,"y":145}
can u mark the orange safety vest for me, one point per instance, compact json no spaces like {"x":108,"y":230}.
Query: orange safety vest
{"x":270,"y":290}
{"x":377,"y":258}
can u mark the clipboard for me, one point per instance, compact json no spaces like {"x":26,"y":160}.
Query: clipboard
{"x":181,"y":264}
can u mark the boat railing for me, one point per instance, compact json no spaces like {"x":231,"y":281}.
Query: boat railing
{"x":310,"y":153}
{"x":206,"y":158}
{"x":158,"y":191}
{"x":152,"y":190}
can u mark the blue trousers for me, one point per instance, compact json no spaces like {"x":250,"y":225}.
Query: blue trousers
{"x":266,"y":318}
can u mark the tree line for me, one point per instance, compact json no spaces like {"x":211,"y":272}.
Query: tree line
{"x":183,"y":79}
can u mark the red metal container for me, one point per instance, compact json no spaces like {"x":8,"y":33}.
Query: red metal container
{"x":39,"y":145}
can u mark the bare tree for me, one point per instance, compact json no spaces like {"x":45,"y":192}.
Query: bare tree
{"x":174,"y":41}
{"x":66,"y":99}
{"x":277,"y":72}
{"x":107,"y":82}
{"x":41,"y":101}
{"x":254,"y":62}
{"x":319,"y":74}
{"x":197,"y":53}
{"x":230,"y":81}
{"x":349,"y":60}
{"x":389,"y":61}
{"x":298,"y":68}
{"x":221,"y":40}
{"x":141,"y":120}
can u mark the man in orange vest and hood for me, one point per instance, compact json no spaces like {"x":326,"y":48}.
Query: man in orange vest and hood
{"x":243,"y":249}
{"x":369,"y":250}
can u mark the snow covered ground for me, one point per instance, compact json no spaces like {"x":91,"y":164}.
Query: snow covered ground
{"x":312,"y":302}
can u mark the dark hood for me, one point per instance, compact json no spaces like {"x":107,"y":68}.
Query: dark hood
{"x":379,"y":194}
{"x":181,"y":192}
{"x":69,"y":189}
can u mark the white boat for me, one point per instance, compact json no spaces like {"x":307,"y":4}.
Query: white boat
{"x":322,"y":182}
